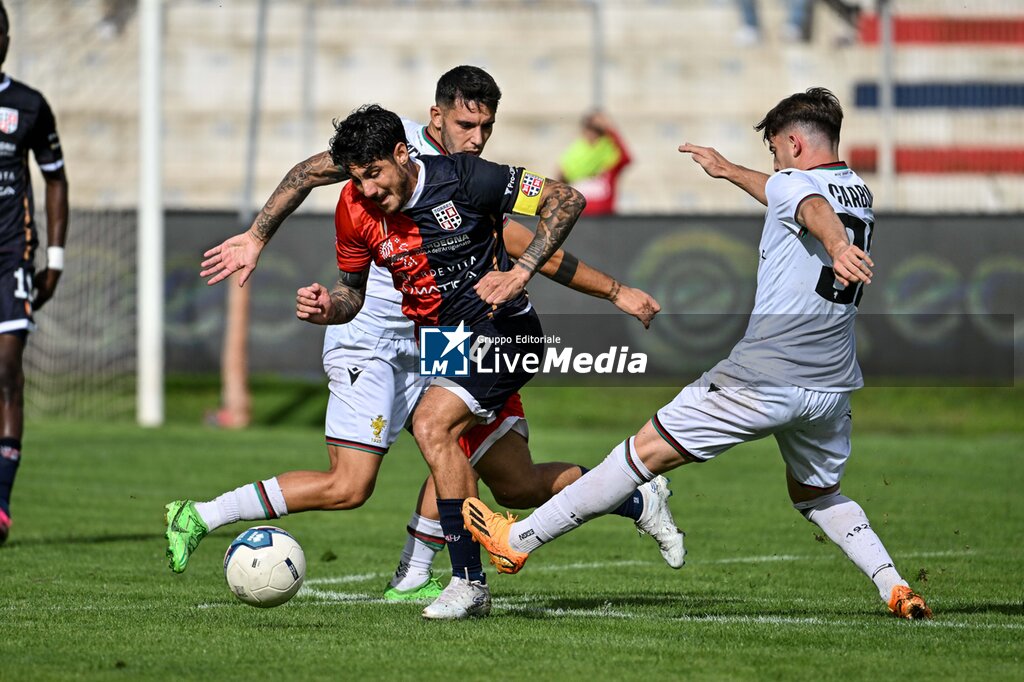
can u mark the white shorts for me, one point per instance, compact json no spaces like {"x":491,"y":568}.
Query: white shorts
{"x":730,"y":405}
{"x":374,"y":383}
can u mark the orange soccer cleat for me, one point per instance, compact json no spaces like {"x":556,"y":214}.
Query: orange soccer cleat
{"x":491,"y":530}
{"x":905,"y":604}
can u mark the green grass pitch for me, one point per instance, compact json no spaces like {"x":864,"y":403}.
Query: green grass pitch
{"x":85,"y":592}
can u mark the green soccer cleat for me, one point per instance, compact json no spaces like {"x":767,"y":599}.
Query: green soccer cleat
{"x":428,"y":591}
{"x":185,"y":528}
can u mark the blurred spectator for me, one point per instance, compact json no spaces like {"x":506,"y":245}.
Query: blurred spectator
{"x":116,"y":15}
{"x":593,"y":162}
{"x":796,"y":29}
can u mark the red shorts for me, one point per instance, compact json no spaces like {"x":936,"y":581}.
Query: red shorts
{"x":478,"y":440}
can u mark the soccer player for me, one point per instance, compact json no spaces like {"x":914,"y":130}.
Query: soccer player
{"x":372,"y":363}
{"x":26,"y":123}
{"x":435,"y":223}
{"x":789,"y":377}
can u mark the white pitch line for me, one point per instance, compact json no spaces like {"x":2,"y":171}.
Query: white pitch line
{"x":550,"y":568}
{"x":768,"y":558}
{"x":521,"y":604}
{"x":344,"y":579}
{"x":940,"y":553}
{"x":600,"y":565}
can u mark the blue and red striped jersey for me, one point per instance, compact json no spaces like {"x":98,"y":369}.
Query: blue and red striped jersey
{"x":446,"y":238}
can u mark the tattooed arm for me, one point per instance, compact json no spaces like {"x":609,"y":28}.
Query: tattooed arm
{"x":560,"y":207}
{"x":242,"y":251}
{"x":571,"y":272}
{"x":316,"y":305}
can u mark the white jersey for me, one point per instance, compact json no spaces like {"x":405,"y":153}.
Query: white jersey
{"x":801,"y":331}
{"x":382,"y":308}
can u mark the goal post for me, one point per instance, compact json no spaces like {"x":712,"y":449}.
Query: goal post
{"x":150,"y":389}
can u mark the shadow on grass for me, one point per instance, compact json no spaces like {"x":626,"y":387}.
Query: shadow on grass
{"x":86,"y":539}
{"x":1002,"y":609}
{"x":707,"y":607}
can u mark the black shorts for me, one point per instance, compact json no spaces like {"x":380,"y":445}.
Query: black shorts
{"x":496,"y":343}
{"x":16,"y":294}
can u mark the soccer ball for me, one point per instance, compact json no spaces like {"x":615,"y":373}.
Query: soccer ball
{"x":264,"y":566}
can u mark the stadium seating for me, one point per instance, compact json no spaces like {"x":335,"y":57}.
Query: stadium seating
{"x":672,"y":73}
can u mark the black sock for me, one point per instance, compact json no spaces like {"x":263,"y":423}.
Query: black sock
{"x":632,"y":508}
{"x":10,"y":457}
{"x":463,"y":550}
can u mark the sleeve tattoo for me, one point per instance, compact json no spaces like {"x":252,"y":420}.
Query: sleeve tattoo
{"x":558,"y":214}
{"x":292,"y":191}
{"x":347,"y":296}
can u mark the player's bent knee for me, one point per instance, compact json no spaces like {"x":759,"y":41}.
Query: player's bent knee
{"x":519,"y":498}
{"x":430,"y":434}
{"x":824,"y":501}
{"x":346,"y":494}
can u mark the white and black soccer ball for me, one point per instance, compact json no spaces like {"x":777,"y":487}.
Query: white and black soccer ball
{"x":264,"y":566}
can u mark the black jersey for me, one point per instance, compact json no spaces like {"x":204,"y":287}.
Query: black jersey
{"x":445,"y":239}
{"x":26,"y":122}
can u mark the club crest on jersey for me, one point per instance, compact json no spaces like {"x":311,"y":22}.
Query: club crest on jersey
{"x":377,"y":426}
{"x":531,"y":184}
{"x":447,"y":216}
{"x":8,"y":120}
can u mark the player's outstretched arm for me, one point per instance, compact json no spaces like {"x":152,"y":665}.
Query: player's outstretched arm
{"x":45,"y":281}
{"x":849,"y":262}
{"x":559,"y":208}
{"x":569,"y":271}
{"x":242,"y":251}
{"x":316,"y":305}
{"x":717,"y":166}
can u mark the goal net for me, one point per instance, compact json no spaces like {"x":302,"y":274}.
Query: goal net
{"x":80,"y":361}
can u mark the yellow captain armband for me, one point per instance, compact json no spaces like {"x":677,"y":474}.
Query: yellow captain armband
{"x":531,"y":186}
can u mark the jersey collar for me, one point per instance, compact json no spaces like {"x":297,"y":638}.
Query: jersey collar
{"x":433,"y":143}
{"x":832,"y":165}
{"x":5,"y":83}
{"x":421,"y":180}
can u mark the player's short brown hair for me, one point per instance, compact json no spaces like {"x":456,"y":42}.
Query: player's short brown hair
{"x":368,"y":134}
{"x":817,"y":107}
{"x":471,"y":84}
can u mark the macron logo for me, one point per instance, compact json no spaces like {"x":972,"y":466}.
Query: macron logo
{"x":444,"y":351}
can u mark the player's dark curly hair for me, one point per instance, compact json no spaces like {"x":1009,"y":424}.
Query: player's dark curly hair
{"x":817,"y":107}
{"x":469,"y":84}
{"x":5,"y":23}
{"x":368,"y":134}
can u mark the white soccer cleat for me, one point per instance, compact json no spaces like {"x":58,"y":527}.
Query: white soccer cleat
{"x":461,"y":599}
{"x":656,"y":521}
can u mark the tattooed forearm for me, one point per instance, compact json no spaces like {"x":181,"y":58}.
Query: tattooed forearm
{"x":347,"y":296}
{"x":293,"y":189}
{"x":345,"y":304}
{"x":558,"y":213}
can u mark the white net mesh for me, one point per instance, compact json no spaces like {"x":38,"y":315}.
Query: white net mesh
{"x":80,"y":362}
{"x":82,"y":56}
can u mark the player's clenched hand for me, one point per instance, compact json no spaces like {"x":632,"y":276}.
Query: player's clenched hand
{"x":313,"y":304}
{"x":852,"y":265}
{"x":44,"y":283}
{"x":240,"y":252}
{"x":496,"y":287}
{"x":713,"y":163}
{"x":637,"y":303}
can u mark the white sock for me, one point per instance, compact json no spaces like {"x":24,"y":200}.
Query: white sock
{"x":846,"y":524}
{"x":425,"y":540}
{"x":597,"y":492}
{"x":260,"y":500}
